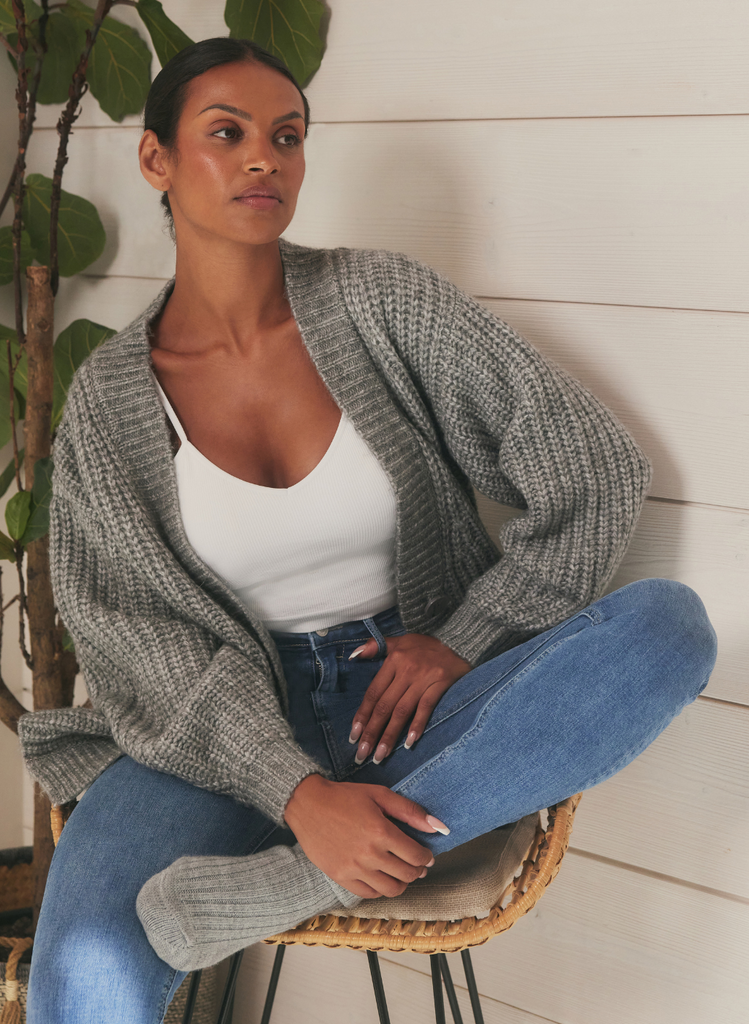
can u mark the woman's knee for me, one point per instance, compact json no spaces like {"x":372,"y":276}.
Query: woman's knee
{"x":672,"y":624}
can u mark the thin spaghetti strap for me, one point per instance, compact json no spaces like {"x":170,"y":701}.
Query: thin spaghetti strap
{"x":170,"y":411}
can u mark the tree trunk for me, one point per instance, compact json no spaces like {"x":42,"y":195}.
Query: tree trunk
{"x":47,"y":683}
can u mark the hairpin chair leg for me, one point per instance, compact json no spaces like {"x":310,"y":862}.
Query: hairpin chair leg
{"x":192,"y":995}
{"x":379,"y":988}
{"x":227,"y":1003}
{"x":450,"y":989}
{"x":473,"y":992}
{"x":273,"y":983}
{"x":439,"y":1002}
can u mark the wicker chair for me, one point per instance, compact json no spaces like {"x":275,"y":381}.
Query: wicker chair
{"x":435,"y":938}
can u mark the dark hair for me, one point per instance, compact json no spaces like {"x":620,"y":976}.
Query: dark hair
{"x":166,"y":97}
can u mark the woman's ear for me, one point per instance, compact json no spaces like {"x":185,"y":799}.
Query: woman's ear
{"x":152,"y":158}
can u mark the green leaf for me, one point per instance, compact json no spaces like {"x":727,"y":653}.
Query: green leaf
{"x":7,"y":551}
{"x":20,"y":374}
{"x":65,"y":38}
{"x":8,"y":475}
{"x":7,"y":21}
{"x":41,"y":493}
{"x":80,"y":236}
{"x":72,"y":346}
{"x":119,"y":70}
{"x":17,"y":513}
{"x":67,"y":642}
{"x":19,"y":382}
{"x":167,"y":38}
{"x":6,"y":253}
{"x":288,"y":28}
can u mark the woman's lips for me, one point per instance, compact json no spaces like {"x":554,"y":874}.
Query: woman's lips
{"x":258,"y":202}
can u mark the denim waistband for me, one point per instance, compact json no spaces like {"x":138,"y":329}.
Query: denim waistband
{"x":377,"y":625}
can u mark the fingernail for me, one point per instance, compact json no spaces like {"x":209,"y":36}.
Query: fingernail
{"x":410,"y":740}
{"x":431,"y":863}
{"x":356,"y":653}
{"x":423,"y":873}
{"x":380,"y":753}
{"x":361,"y":754}
{"x":437,"y":825}
{"x":356,"y":729}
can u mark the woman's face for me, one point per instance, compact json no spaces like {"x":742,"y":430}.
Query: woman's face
{"x":239,"y":159}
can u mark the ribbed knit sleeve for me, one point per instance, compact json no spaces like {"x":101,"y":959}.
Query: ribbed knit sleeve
{"x":165,"y":689}
{"x":525,"y":434}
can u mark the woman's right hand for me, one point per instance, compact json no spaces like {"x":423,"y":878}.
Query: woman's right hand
{"x":344,"y":829}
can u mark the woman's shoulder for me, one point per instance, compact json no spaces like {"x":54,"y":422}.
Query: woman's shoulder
{"x":111,"y":376}
{"x":389,"y":266}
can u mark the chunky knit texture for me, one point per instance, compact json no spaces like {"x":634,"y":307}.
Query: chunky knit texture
{"x":181,"y":676}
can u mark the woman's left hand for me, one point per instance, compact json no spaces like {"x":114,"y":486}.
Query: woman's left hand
{"x":417,"y":670}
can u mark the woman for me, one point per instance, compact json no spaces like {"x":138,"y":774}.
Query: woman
{"x":310,"y":667}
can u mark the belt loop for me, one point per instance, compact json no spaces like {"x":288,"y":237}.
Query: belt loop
{"x":381,"y":645}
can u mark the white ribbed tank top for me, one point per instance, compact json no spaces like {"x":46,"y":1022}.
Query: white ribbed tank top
{"x":303,"y":557}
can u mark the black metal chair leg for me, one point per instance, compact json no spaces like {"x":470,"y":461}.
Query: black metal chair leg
{"x":379,"y":988}
{"x":227,"y":1003}
{"x":273,"y":984}
{"x":473,"y":992}
{"x":192,"y":995}
{"x":439,"y":1002}
{"x":450,"y":989}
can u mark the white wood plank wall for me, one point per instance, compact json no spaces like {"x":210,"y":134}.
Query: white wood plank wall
{"x":582,"y":168}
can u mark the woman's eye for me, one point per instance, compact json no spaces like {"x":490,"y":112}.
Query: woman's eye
{"x":232,"y":133}
{"x":292,"y":139}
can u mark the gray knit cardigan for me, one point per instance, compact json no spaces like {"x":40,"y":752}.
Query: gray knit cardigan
{"x":182,"y":677}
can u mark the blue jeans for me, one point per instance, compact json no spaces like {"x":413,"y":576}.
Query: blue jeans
{"x":555,"y":715}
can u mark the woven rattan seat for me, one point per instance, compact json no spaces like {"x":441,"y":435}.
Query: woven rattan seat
{"x":538,"y":870}
{"x":469,"y":870}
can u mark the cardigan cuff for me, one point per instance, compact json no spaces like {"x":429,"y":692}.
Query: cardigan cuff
{"x":271,"y":781}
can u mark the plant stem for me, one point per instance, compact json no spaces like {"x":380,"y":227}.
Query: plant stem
{"x":78,"y":87}
{"x":22,"y":609}
{"x":10,"y":708}
{"x":23,"y":137}
{"x":45,"y":655}
{"x":46,"y":667}
{"x":26,"y":122}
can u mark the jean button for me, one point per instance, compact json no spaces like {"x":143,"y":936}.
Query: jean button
{"x":322,"y":632}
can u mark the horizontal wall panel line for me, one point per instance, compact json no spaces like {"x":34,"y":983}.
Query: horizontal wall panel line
{"x":660,"y":876}
{"x":610,"y":305}
{"x":485,"y":298}
{"x":697,"y":504}
{"x":123,"y":277}
{"x":419,"y":121}
{"x":721,"y":701}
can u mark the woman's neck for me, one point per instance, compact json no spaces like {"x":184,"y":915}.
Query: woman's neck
{"x":227,"y":298}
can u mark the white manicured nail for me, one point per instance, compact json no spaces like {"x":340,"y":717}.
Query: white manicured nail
{"x":380,"y":754}
{"x":356,"y":653}
{"x":356,"y":730}
{"x":437,"y":825}
{"x":410,"y":740}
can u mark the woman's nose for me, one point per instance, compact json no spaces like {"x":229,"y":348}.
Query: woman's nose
{"x":260,"y":157}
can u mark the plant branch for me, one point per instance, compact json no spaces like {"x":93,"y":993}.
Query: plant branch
{"x":78,"y":87}
{"x":23,"y":138}
{"x":11,"y":709}
{"x":26,"y":122}
{"x":22,"y":610}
